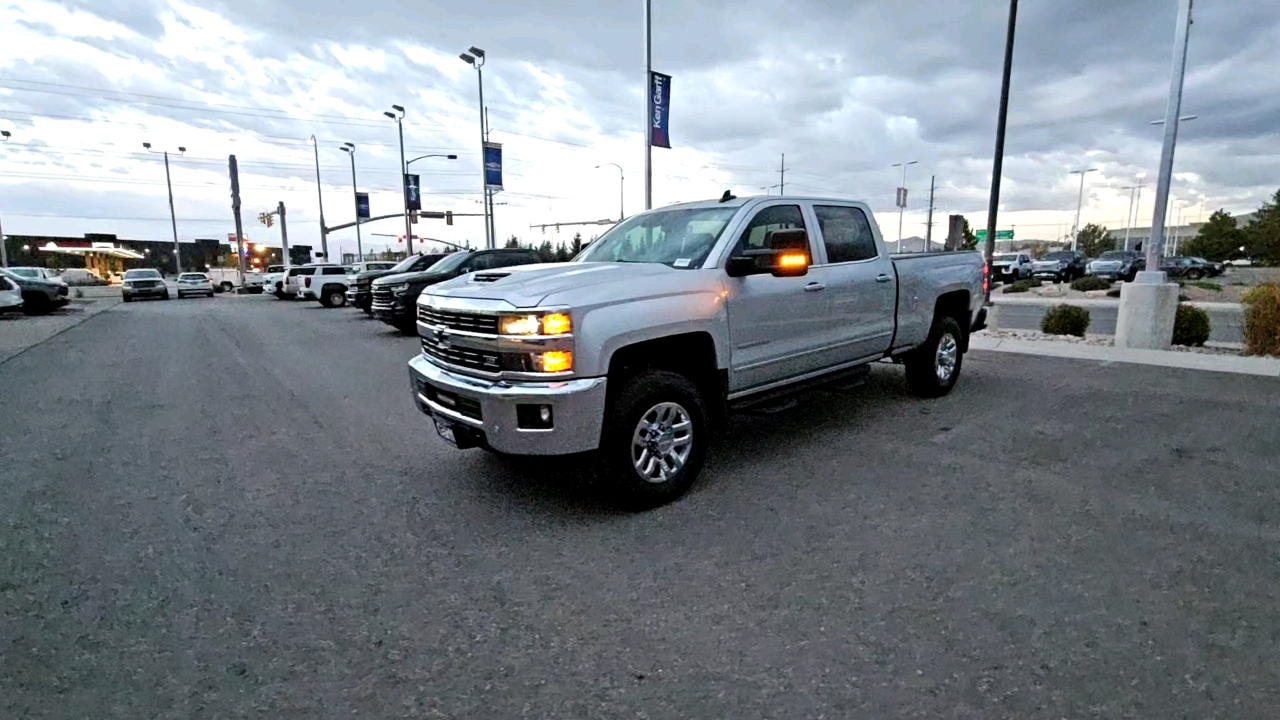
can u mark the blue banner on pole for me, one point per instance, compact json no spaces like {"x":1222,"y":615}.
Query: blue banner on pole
{"x":493,"y":165}
{"x":412,"y":193}
{"x":659,"y":109}
{"x":362,"y":206}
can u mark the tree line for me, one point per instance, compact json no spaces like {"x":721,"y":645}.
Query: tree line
{"x":549,"y":253}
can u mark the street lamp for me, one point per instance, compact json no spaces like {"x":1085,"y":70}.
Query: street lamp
{"x":450,"y":156}
{"x":901,"y":200}
{"x":398,"y":116}
{"x":173,"y":217}
{"x":324,"y":231}
{"x":350,"y":150}
{"x":622,"y":187}
{"x":475,"y":58}
{"x":1075,"y":233}
{"x":4,"y":250}
{"x":1135,"y":201}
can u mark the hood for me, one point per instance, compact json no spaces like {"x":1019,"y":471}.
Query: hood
{"x":571,"y":283}
{"x":1048,"y":263}
{"x":1106,"y":263}
{"x":422,"y":276}
{"x":368,"y":276}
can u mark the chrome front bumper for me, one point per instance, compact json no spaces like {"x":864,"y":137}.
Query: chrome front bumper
{"x":577,"y":408}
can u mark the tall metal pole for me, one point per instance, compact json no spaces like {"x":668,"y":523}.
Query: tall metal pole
{"x":173,"y":218}
{"x":234,"y":170}
{"x":355,"y":200}
{"x":493,"y":220}
{"x":782,"y":176}
{"x":997,"y":168}
{"x":648,"y":121}
{"x":928,"y":233}
{"x":1173,"y":112}
{"x":324,"y":231}
{"x":284,"y":234}
{"x":404,"y":188}
{"x":902,"y":206}
{"x":484,"y":137}
{"x":1129,"y":217}
{"x":4,"y":250}
{"x":1075,"y":232}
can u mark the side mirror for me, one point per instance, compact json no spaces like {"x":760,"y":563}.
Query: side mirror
{"x":786,"y":254}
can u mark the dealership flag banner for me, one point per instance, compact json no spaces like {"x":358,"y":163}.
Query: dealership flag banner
{"x":362,"y":206}
{"x":659,"y":109}
{"x":412,"y":192}
{"x":493,"y":165}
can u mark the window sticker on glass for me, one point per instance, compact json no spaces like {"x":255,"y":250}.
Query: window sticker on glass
{"x":682,"y":262}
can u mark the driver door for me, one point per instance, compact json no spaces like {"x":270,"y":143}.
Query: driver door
{"x":776,"y":324}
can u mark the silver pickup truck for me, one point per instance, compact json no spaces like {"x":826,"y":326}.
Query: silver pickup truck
{"x":641,"y":345}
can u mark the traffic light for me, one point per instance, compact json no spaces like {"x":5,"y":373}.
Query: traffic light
{"x":448,"y":217}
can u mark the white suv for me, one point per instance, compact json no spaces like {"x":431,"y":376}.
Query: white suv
{"x":326,"y":283}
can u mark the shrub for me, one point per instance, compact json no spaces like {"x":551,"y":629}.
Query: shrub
{"x":1088,"y":282}
{"x":1190,"y":326}
{"x":1065,"y":320}
{"x":1203,"y":285}
{"x":1022,"y":286}
{"x":1262,"y":320}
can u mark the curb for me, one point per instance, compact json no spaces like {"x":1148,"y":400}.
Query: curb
{"x":1262,"y":366}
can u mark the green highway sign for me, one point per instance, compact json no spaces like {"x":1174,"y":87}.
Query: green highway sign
{"x":1000,"y":235}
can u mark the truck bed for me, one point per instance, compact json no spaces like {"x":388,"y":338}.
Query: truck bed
{"x":924,"y":277}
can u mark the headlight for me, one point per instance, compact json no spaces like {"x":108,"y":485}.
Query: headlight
{"x":398,"y":289}
{"x":555,"y":323}
{"x":553,"y":362}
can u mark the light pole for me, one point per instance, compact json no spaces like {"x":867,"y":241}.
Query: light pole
{"x":324,"y":231}
{"x":398,"y":116}
{"x":4,"y":250}
{"x":173,"y":217}
{"x":622,"y":187}
{"x":475,"y":58}
{"x":901,"y":198}
{"x":407,"y":163}
{"x":997,"y":163}
{"x":350,"y":150}
{"x":1075,"y":231}
{"x":1135,"y":200}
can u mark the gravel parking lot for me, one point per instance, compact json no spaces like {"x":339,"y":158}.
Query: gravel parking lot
{"x":231,"y":508}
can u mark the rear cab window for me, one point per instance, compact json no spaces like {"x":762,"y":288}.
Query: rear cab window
{"x":846,"y":233}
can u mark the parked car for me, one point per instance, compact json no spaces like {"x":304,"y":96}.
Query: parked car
{"x":39,"y":296}
{"x":10,"y":296}
{"x":1211,"y":269}
{"x":228,"y":279}
{"x":676,"y":316}
{"x":291,"y":283}
{"x":395,"y":297}
{"x":355,"y":269}
{"x":38,"y":273}
{"x":194,"y":284}
{"x":1183,"y":267}
{"x":1011,"y":267}
{"x":360,"y":287}
{"x":78,"y":277}
{"x":144,"y":283}
{"x":1060,"y":266}
{"x":1117,"y":265}
{"x":326,"y":283}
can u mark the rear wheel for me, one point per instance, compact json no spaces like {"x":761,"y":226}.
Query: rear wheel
{"x":226,"y":287}
{"x":932,"y":368}
{"x":655,"y":438}
{"x":333,"y":297}
{"x":1194,"y":274}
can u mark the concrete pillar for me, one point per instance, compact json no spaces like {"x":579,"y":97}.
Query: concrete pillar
{"x":1147,"y":310}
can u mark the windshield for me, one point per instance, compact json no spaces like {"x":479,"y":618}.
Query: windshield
{"x":1112,"y":255}
{"x":1005,"y":257}
{"x":681,"y":238}
{"x":1057,"y":256}
{"x":191,"y":276}
{"x":25,"y":272}
{"x":141,"y":275}
{"x":449,"y":263}
{"x":275,"y":268}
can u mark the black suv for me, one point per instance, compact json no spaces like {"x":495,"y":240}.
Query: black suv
{"x":395,"y":297}
{"x":360,"y":291}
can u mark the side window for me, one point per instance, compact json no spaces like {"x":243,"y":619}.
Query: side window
{"x":334,"y":271}
{"x":506,"y":260}
{"x":478,"y":262}
{"x":846,"y":233}
{"x":778,"y":217}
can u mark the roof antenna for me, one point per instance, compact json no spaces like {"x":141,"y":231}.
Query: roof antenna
{"x":727,"y":196}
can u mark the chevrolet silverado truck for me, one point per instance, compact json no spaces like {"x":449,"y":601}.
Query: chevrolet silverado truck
{"x":395,"y":297}
{"x":360,"y":286}
{"x":639,"y":347}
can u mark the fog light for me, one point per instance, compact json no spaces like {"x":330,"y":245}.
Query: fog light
{"x":534,"y":417}
{"x":554,"y":361}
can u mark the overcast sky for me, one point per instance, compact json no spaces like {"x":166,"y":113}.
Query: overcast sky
{"x":845,"y":89}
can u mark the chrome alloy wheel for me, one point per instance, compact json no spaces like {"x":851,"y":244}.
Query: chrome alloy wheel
{"x":662,"y":442}
{"x":945,"y":360}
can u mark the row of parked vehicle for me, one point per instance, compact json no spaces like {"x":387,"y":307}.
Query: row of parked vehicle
{"x":1068,"y":265}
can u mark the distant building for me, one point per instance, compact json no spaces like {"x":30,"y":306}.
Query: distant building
{"x":105,"y":253}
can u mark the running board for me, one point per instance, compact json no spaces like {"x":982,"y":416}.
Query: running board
{"x":775,"y":401}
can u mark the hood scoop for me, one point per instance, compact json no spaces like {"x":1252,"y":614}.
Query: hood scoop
{"x":488,"y":277}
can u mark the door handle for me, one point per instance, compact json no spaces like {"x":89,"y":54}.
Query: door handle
{"x":814,"y":287}
{"x":883,"y":278}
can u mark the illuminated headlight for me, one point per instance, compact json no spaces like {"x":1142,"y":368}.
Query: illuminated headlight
{"x":536,"y":324}
{"x":553,"y":362}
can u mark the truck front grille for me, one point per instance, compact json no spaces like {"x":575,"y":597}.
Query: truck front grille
{"x":469,"y":322}
{"x":489,"y":362}
{"x":385,"y":297}
{"x":460,"y":404}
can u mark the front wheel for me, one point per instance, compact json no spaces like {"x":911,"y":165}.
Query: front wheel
{"x":655,"y":438}
{"x":1194,"y":274}
{"x":932,"y":368}
{"x":333,"y":298}
{"x":165,"y":296}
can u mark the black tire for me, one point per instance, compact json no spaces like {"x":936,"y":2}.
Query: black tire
{"x":653,"y":395}
{"x":333,"y":297}
{"x":226,"y":286}
{"x":36,"y":304}
{"x":126,"y":298}
{"x":165,"y":296}
{"x":1194,"y":275}
{"x":925,"y":363}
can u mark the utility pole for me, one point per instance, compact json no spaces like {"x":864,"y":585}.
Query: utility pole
{"x":324,"y":231}
{"x":493,"y":221}
{"x":4,"y":250}
{"x":350,"y":150}
{"x":284,"y":235}
{"x":173,"y":217}
{"x":928,"y":233}
{"x":993,"y":206}
{"x":782,"y":176}
{"x":902,"y":197}
{"x":1075,"y":233}
{"x":404,"y":171}
{"x":235,"y":210}
{"x":648,"y":121}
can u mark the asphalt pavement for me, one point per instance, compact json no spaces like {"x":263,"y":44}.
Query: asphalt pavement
{"x":1225,"y":326}
{"x":231,"y":508}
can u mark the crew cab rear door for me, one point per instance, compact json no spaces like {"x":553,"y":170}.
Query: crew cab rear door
{"x":860,"y":280}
